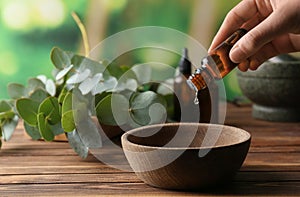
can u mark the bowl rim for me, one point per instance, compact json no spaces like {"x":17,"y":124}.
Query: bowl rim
{"x":124,"y":137}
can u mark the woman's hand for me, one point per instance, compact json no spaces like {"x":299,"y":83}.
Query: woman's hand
{"x":273,"y":28}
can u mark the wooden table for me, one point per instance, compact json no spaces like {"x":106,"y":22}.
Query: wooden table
{"x":29,"y":168}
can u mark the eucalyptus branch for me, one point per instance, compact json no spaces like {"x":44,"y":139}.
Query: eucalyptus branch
{"x":83,"y":33}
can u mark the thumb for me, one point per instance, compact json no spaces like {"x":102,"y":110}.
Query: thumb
{"x":257,"y":37}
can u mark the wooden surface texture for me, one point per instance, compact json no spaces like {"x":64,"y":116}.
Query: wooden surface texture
{"x":38,"y":168}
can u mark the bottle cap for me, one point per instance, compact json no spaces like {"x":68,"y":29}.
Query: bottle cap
{"x":185,"y":64}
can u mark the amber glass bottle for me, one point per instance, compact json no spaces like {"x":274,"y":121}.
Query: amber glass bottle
{"x":184,"y":109}
{"x":216,"y":65}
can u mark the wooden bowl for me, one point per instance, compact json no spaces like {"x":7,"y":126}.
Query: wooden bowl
{"x":186,"y":156}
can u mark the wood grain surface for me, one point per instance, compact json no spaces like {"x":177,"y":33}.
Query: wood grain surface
{"x":38,"y":168}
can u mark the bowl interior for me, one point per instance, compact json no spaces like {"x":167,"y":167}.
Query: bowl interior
{"x":186,"y":135}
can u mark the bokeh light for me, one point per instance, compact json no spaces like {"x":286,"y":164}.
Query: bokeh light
{"x":8,"y":63}
{"x":50,"y":13}
{"x":32,"y":14}
{"x":16,"y":15}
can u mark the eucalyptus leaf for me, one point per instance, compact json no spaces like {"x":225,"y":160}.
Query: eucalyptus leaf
{"x":33,"y":132}
{"x":143,"y":73}
{"x":61,"y":74}
{"x":85,"y":126}
{"x":54,"y":73}
{"x":62,"y":95}
{"x":166,"y":88}
{"x":117,"y":70}
{"x":67,"y":121}
{"x":9,"y":127}
{"x":60,"y":58}
{"x":5,"y":106}
{"x":27,"y":109}
{"x":107,"y":85}
{"x":39,"y":95}
{"x":50,"y":87}
{"x":82,"y":63}
{"x":77,"y":145}
{"x":99,"y":97}
{"x":113,"y":110}
{"x":129,"y":84}
{"x":87,"y":85}
{"x":16,"y":91}
{"x":89,"y":133}
{"x":34,"y":84}
{"x":44,"y":127}
{"x":80,"y":101}
{"x":50,"y":108}
{"x":7,"y":114}
{"x":43,"y":78}
{"x":67,"y":103}
{"x":79,"y":77}
{"x":56,"y":129}
{"x":157,"y":113}
{"x":141,"y":104}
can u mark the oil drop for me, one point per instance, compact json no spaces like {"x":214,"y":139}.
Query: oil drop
{"x":196,"y":100}
{"x":213,"y":67}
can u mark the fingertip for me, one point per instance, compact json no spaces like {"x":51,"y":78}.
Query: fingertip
{"x":254,"y":64}
{"x":243,"y":66}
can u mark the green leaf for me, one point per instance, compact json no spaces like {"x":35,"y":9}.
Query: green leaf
{"x":9,"y":127}
{"x":60,"y":58}
{"x":50,"y":87}
{"x":56,"y":129}
{"x":166,"y":88}
{"x":113,"y":110}
{"x":99,"y":97}
{"x":50,"y":108}
{"x":67,"y":121}
{"x":43,"y":78}
{"x":157,"y":113}
{"x":107,"y":85}
{"x":16,"y":91}
{"x":44,"y":127}
{"x":34,"y":84}
{"x":7,"y":115}
{"x":62,"y":95}
{"x":146,"y":108}
{"x":33,"y":132}
{"x":67,"y":103}
{"x":85,"y":126}
{"x":87,"y":85}
{"x":79,"y":77}
{"x":77,"y":145}
{"x":27,"y":110}
{"x":5,"y":106}
{"x":129,"y":84}
{"x":82,"y":63}
{"x":143,"y":73}
{"x":89,"y":133}
{"x":6,"y":110}
{"x":61,"y":74}
{"x":39,"y":95}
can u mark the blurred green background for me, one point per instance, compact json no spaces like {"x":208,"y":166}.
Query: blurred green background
{"x":30,"y":28}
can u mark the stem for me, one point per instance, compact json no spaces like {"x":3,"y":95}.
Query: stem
{"x":83,"y":33}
